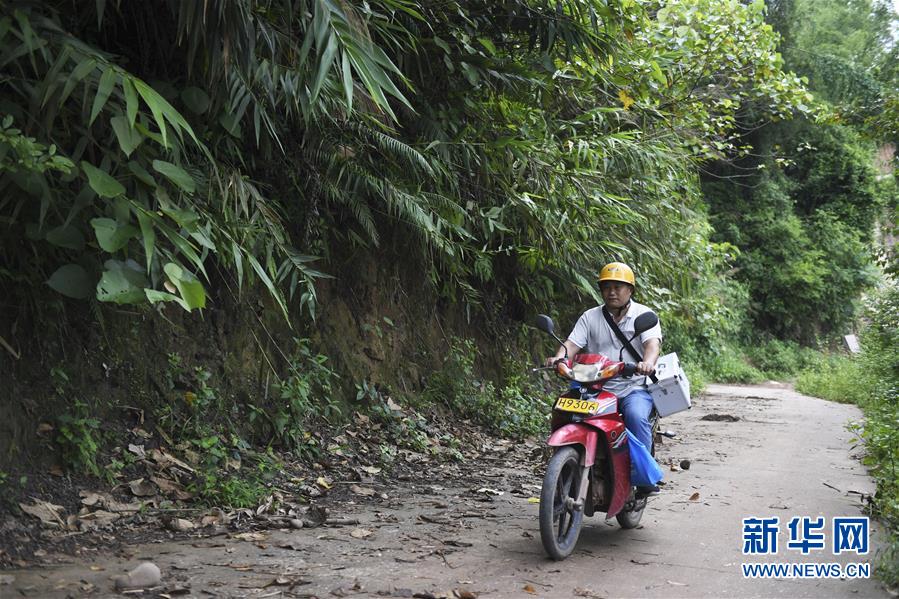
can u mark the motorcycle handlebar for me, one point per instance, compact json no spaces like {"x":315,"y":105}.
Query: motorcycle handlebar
{"x":630,"y":369}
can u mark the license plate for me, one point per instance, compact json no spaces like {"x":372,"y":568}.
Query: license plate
{"x":580,"y":406}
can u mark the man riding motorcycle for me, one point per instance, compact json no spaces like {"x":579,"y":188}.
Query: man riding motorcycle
{"x":594,"y":334}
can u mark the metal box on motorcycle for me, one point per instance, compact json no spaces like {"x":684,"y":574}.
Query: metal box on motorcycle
{"x":672,"y":393}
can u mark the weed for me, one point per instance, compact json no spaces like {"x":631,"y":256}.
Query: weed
{"x":836,"y":378}
{"x":729,"y":365}
{"x":78,"y":439}
{"x":303,"y":397}
{"x":516,"y":409}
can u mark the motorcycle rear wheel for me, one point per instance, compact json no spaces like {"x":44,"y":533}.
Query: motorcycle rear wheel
{"x":560,"y":521}
{"x":630,"y":518}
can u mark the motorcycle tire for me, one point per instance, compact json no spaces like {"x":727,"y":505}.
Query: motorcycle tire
{"x":630,"y":518}
{"x":560,"y":524}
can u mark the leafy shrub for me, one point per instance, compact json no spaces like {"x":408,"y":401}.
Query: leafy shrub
{"x":835,"y":378}
{"x":729,"y":365}
{"x":516,"y":409}
{"x":303,"y":397}
{"x":78,"y":439}
{"x":777,"y":358}
{"x":872,"y":381}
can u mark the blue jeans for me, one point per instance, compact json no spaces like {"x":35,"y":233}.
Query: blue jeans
{"x":636,"y":407}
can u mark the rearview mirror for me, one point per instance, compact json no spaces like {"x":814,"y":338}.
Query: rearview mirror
{"x":645,"y":321}
{"x":545,"y":324}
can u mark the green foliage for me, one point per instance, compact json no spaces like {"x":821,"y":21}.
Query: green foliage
{"x":803,"y":230}
{"x":872,"y":381}
{"x":836,"y":378}
{"x":495,"y":142}
{"x":518,"y":408}
{"x":230,"y":475}
{"x":304,"y":398}
{"x":78,"y":439}
{"x":779,"y":359}
{"x":729,"y":365}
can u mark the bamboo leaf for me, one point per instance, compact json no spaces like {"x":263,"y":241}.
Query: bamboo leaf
{"x":347,"y":80}
{"x":131,"y":100}
{"x":324,"y":65}
{"x":107,"y":80}
{"x":78,"y":73}
{"x":157,"y":105}
{"x":176,"y":175}
{"x":148,"y":234}
{"x":128,"y":137}
{"x":154,"y":296}
{"x":102,"y":182}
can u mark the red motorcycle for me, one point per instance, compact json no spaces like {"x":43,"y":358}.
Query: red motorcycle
{"x":591,"y":468}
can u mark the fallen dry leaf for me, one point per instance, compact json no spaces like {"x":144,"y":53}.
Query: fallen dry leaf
{"x":44,"y":427}
{"x":371,"y":469}
{"x":169,"y":486}
{"x":464,"y":594}
{"x":694,"y":496}
{"x":266,"y":505}
{"x":142,"y":433}
{"x":46,"y":512}
{"x":180,"y":525}
{"x":360,"y":533}
{"x":98,"y":519}
{"x":90,"y":498}
{"x":142,"y":488}
{"x":137,"y":450}
{"x":322,"y":482}
{"x":530,"y":589}
{"x":364,"y":491}
{"x":164,"y":459}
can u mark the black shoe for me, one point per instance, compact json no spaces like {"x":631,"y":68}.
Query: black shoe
{"x":645,"y":491}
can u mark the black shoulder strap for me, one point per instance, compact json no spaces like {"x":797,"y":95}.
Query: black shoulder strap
{"x":624,"y":341}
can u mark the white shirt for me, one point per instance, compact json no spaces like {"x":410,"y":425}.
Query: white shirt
{"x":594,"y":335}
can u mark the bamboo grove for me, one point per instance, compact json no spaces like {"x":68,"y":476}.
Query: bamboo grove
{"x":515,"y":144}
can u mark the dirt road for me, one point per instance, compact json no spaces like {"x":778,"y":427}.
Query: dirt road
{"x":472,"y":528}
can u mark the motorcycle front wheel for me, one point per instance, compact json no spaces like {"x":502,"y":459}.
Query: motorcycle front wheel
{"x":560,"y":519}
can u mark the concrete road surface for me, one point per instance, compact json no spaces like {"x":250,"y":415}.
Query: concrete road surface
{"x":451,"y":533}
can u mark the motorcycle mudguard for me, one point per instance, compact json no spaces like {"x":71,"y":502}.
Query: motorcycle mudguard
{"x":621,"y":474}
{"x":617,"y":449}
{"x":615,"y":437}
{"x":576,"y":434}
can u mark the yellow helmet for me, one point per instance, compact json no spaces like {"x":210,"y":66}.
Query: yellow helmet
{"x":617,"y":271}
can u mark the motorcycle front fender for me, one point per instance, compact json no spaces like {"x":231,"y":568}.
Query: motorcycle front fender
{"x":576,"y":434}
{"x":588,"y":435}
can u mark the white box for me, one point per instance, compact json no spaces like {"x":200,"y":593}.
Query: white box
{"x":672,"y":393}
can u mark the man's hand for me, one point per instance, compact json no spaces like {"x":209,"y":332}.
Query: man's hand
{"x":645,"y":368}
{"x":551,"y":361}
